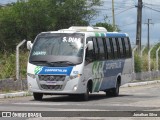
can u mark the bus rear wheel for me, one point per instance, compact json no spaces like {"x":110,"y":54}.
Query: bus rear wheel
{"x":114,"y":91}
{"x":38,"y":96}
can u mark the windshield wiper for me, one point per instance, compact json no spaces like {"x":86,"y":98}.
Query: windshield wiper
{"x":40,"y":62}
{"x":57,"y":63}
{"x":62,"y":62}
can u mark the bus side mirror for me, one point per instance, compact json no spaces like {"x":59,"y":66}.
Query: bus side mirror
{"x":29,"y":45}
{"x":90,"y":45}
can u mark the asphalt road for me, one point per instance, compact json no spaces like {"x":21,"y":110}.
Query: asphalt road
{"x":132,"y":100}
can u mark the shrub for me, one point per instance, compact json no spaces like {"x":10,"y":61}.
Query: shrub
{"x":8,"y":65}
{"x":145,"y":62}
{"x":138,"y":63}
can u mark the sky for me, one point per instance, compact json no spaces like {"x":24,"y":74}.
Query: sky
{"x":6,"y":1}
{"x":126,"y":17}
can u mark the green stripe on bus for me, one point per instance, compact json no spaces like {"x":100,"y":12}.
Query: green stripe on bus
{"x":97,"y":85}
{"x":102,"y":34}
{"x":96,"y":71}
{"x":97,"y":34}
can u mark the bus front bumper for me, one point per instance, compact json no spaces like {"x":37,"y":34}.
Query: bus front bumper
{"x":75,"y":86}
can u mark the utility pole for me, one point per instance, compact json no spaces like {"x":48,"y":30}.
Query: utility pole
{"x":139,"y":25}
{"x":113,"y":20}
{"x":148,"y":44}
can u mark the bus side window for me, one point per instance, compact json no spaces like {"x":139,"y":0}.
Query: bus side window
{"x":124,"y":48}
{"x":105,"y":48}
{"x":109,"y":49}
{"x":89,"y":53}
{"x":130,"y":49}
{"x":95,"y":48}
{"x":121,"y":47}
{"x":114,"y":48}
{"x":118,"y":48}
{"x":101,"y":48}
{"x":127,"y":47}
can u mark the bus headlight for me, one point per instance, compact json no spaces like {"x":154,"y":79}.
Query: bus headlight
{"x":74,"y":76}
{"x":31,"y":75}
{"x":75,"y":88}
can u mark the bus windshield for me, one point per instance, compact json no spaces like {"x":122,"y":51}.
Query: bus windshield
{"x":56,"y":48}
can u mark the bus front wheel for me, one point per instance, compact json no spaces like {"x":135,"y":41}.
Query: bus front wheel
{"x":38,"y":96}
{"x":85,"y":96}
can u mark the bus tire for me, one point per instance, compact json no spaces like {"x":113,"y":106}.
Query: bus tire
{"x":38,"y":96}
{"x":115,"y":91}
{"x":85,"y":96}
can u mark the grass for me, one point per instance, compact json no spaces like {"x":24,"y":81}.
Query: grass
{"x":141,"y":65}
{"x":8,"y":65}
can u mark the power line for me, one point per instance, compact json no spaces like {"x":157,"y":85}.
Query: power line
{"x":123,"y":11}
{"x":152,"y":9}
{"x":117,"y":13}
{"x":116,"y":8}
{"x":127,"y":24}
{"x":150,"y":4}
{"x":122,"y":4}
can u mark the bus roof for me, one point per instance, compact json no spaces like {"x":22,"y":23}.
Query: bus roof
{"x":111,"y":34}
{"x":90,"y":31}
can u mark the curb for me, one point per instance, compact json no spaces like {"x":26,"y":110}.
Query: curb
{"x":12,"y":95}
{"x":26,"y":93}
{"x":141,"y":83}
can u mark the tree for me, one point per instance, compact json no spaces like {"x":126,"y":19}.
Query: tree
{"x":73,"y":12}
{"x":8,"y":26}
{"x":109,"y":27}
{"x":24,"y":20}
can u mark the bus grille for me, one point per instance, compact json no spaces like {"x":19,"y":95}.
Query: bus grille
{"x":51,"y":77}
{"x":51,"y":87}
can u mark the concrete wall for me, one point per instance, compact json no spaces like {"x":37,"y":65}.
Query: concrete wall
{"x":146,"y":75}
{"x":10,"y":84}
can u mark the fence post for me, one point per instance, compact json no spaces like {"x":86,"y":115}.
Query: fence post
{"x":149,"y":58}
{"x":142,"y":51}
{"x":142,"y":61}
{"x":149,"y":61}
{"x":133,"y":57}
{"x":157,"y":57}
{"x":17,"y":61}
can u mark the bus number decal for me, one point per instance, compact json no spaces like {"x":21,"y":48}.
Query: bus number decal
{"x":71,"y":39}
